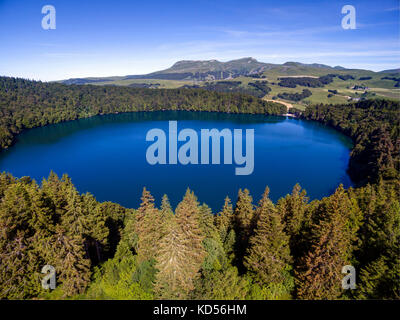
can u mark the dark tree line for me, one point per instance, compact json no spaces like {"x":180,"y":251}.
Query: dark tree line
{"x":396,"y":80}
{"x":374,"y":127}
{"x":345,"y":77}
{"x":295,"y":96}
{"x":292,"y":82}
{"x":257,"y":89}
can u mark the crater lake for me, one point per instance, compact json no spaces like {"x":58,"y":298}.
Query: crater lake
{"x":106,"y":156}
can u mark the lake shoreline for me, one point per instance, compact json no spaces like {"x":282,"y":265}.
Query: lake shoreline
{"x":114,"y":132}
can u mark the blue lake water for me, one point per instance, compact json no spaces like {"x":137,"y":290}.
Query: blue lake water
{"x":106,"y":156}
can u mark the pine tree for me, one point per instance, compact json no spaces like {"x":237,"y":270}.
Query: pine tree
{"x":224,"y":220}
{"x":244,"y":221}
{"x":56,"y":189}
{"x":189,"y":238}
{"x":166,"y":215}
{"x":380,"y":152}
{"x":15,"y":209}
{"x":96,"y":237}
{"x":379,"y":279}
{"x":215,"y":254}
{"x":293,"y":209}
{"x":268,"y":258}
{"x":18,"y":265}
{"x":147,"y":201}
{"x":18,"y":268}
{"x":43,"y":212}
{"x":244,"y":214}
{"x":378,"y":256}
{"x":223,"y":284}
{"x":74,"y":219}
{"x":174,"y":278}
{"x":207,"y":224}
{"x":166,"y":212}
{"x":66,"y":254}
{"x":225,"y":224}
{"x":148,"y":226}
{"x":6,"y":179}
{"x":319,"y":275}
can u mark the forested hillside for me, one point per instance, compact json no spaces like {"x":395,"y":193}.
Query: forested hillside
{"x":26,"y":104}
{"x":290,"y":249}
{"x":375,"y":129}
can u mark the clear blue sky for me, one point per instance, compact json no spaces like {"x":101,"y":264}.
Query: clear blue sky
{"x":104,"y":38}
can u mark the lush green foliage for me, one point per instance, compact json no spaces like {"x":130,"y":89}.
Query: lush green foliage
{"x":294,"y":249}
{"x":374,"y":127}
{"x":291,"y":249}
{"x":258,"y":88}
{"x":295,"y":96}
{"x":292,"y":82}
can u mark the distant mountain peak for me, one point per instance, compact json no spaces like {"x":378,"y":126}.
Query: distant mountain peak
{"x":192,"y":61}
{"x":251,"y":59}
{"x":312,"y":65}
{"x":291,"y":63}
{"x":391,"y":71}
{"x":211,"y":70}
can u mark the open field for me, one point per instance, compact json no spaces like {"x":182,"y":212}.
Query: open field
{"x":242,"y":76}
{"x":376,"y":88}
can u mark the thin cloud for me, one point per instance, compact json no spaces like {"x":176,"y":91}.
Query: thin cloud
{"x":282,"y":33}
{"x":68,"y":54}
{"x":392,"y":9}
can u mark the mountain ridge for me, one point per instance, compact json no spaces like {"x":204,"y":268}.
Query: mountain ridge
{"x":209,"y":70}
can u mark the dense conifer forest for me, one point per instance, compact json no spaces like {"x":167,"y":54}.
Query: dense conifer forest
{"x":251,"y":249}
{"x":375,"y":129}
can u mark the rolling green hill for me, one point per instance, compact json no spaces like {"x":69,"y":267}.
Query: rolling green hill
{"x":247,"y":75}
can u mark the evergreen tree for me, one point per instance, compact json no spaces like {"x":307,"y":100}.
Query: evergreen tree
{"x":224,"y":222}
{"x":180,"y":266}
{"x":296,"y":216}
{"x":147,"y":201}
{"x":43,"y":212}
{"x":55,"y":189}
{"x":268,"y":258}
{"x":96,"y":237}
{"x":166,"y":216}
{"x":378,"y":257}
{"x":207,"y":223}
{"x":224,"y":219}
{"x":166,"y":211}
{"x":18,"y":268}
{"x":67,"y":256}
{"x":174,"y":278}
{"x":74,"y":219}
{"x":223,"y":284}
{"x":244,"y":221}
{"x":319,"y":276}
{"x":244,"y":214}
{"x":148,"y":226}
